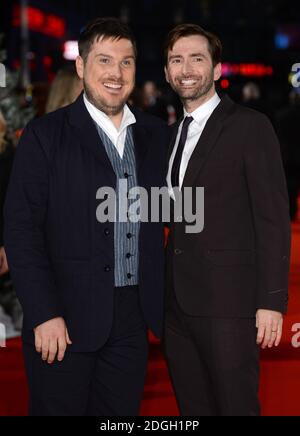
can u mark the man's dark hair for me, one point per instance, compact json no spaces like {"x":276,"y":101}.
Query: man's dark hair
{"x":108,"y":27}
{"x":184,"y":30}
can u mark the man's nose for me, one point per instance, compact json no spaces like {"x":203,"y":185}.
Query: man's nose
{"x":186,"y":67}
{"x":116,"y":70}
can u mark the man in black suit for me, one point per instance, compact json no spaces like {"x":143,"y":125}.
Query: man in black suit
{"x":227,"y":287}
{"x":89,"y":288}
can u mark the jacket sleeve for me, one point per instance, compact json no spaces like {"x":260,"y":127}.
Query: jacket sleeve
{"x":24,"y":232}
{"x":270,"y":211}
{"x":5,"y":169}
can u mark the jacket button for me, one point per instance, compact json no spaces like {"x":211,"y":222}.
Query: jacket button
{"x":129,"y":275}
{"x":128,"y":256}
{"x":129,"y":235}
{"x":177,"y":251}
{"x":107,"y":268}
{"x":107,"y":232}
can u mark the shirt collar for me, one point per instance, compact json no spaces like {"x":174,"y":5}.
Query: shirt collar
{"x":205,"y":109}
{"x":103,"y":120}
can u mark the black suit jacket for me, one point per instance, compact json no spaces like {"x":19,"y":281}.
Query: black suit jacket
{"x":57,"y":251}
{"x":240,"y":261}
{"x":6,"y":160}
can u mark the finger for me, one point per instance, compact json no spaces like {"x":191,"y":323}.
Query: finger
{"x":52,"y":351}
{"x":62,"y":346}
{"x":38,"y":343}
{"x":69,"y":342}
{"x":267,"y":337}
{"x":5,"y":264}
{"x":274,"y":329}
{"x":273,"y":338}
{"x":279,"y":335}
{"x":45,"y":348}
{"x":260,"y":334}
{"x":3,"y":271}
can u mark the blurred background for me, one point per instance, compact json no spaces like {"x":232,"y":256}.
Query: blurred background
{"x":261,"y":69}
{"x":261,"y":38}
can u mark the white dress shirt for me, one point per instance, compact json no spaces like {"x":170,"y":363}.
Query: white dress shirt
{"x":200,"y":118}
{"x":116,"y":136}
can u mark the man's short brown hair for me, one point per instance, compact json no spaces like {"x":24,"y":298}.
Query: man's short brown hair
{"x":184,"y":30}
{"x":108,"y":27}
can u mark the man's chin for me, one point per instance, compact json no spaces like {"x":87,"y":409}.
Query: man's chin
{"x":193,"y":96}
{"x":187,"y":93}
{"x":112,"y":110}
{"x":189,"y":96}
{"x":111,"y":107}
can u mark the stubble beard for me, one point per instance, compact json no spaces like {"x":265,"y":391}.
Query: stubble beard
{"x":198,"y":93}
{"x":101,"y":104}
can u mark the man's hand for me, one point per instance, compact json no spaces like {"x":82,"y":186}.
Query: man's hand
{"x":51,"y":339}
{"x":3,"y":262}
{"x":269,"y":325}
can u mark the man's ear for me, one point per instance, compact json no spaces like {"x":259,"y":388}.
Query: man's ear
{"x":217,"y":72}
{"x":167,"y":75}
{"x":79,"y":66}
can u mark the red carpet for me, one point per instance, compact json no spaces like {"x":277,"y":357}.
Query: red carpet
{"x":280,"y":371}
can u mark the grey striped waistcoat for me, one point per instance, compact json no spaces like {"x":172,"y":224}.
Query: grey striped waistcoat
{"x":126,"y":234}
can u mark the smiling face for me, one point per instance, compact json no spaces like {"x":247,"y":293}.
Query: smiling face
{"x":108,"y":74}
{"x":190,"y":71}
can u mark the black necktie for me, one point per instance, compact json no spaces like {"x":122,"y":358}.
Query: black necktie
{"x":178,"y":156}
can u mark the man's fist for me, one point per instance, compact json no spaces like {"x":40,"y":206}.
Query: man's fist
{"x":269,"y":326}
{"x":51,"y":339}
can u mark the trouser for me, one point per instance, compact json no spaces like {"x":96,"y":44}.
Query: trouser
{"x":108,"y":382}
{"x":213,"y":363}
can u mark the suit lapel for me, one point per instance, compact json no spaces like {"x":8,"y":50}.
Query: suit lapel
{"x":142,"y":142}
{"x":208,"y":140}
{"x":81,"y":120}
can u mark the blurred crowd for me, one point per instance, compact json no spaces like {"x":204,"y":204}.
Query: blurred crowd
{"x":18,"y":106}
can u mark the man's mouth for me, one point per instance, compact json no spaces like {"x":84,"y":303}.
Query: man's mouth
{"x":187,"y":82}
{"x":113,"y":86}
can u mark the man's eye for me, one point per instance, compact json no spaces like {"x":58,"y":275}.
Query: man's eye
{"x":198,"y":59}
{"x":127,"y":63}
{"x":175,"y":61}
{"x":104,"y":60}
